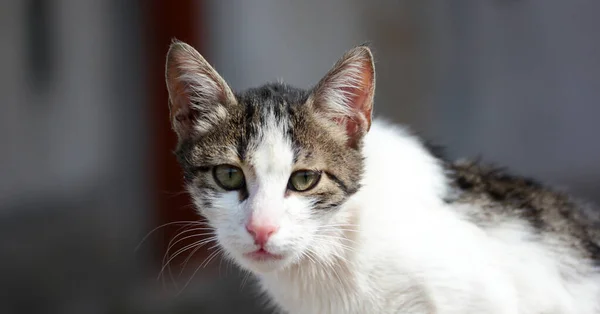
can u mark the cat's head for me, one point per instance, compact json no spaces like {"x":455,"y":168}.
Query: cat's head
{"x":271,"y":167}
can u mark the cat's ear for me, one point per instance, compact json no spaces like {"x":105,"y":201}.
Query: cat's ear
{"x":345,"y":94}
{"x":198,"y":96}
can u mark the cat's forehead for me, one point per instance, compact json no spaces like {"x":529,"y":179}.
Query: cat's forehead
{"x":267,"y":114}
{"x":274,"y":94}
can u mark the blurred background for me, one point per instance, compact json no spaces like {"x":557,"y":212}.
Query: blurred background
{"x":86,"y":168}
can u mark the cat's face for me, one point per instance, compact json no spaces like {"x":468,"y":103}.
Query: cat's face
{"x":270,"y":168}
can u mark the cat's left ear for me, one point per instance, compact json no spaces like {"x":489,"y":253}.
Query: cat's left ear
{"x":199,"y":98}
{"x":345,"y":94}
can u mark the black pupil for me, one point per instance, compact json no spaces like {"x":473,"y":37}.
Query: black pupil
{"x":305,"y":177}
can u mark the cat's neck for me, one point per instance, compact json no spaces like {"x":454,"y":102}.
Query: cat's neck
{"x":399,"y":168}
{"x":325,"y":285}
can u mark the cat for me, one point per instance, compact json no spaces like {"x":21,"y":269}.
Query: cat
{"x":335,"y":213}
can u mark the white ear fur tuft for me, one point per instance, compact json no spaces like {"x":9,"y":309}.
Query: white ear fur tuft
{"x":198,"y":96}
{"x":345,"y":94}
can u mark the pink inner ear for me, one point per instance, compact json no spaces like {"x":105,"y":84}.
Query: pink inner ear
{"x":182,"y":115}
{"x":361,"y":105}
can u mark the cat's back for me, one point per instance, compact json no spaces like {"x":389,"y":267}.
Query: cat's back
{"x":498,"y":197}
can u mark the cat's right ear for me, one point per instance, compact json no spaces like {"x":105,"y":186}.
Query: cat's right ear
{"x":345,"y":94}
{"x":198,"y":96}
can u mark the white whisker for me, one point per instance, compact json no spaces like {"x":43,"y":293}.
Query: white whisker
{"x":162,"y":226}
{"x":185,"y":248}
{"x":195,"y":271}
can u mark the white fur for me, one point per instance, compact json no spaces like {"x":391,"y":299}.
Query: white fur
{"x":204,"y":93}
{"x":395,"y":246}
{"x":338,"y":91}
{"x":203,"y":86}
{"x":343,"y":82}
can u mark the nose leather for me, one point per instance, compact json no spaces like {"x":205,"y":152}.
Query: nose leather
{"x":261,"y":232}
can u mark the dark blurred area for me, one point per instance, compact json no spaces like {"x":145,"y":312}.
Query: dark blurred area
{"x":86,"y":169}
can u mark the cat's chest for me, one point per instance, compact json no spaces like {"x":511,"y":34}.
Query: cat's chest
{"x":323,"y":294}
{"x":328,"y":296}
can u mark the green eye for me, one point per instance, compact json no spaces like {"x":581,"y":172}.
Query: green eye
{"x":229,"y":177}
{"x":303,"y":180}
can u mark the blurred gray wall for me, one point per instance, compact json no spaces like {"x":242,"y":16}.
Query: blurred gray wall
{"x":519,"y":83}
{"x":72,"y":132}
{"x":66,"y":101}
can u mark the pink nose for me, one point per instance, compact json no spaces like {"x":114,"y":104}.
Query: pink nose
{"x":261,"y":232}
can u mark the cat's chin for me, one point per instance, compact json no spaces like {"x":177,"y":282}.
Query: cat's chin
{"x":258,"y":265}
{"x":263,"y":262}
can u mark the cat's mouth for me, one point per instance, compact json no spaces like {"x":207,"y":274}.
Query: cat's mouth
{"x":261,"y":255}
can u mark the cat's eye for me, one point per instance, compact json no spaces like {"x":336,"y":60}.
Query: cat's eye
{"x":229,"y":177}
{"x":304,"y":180}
